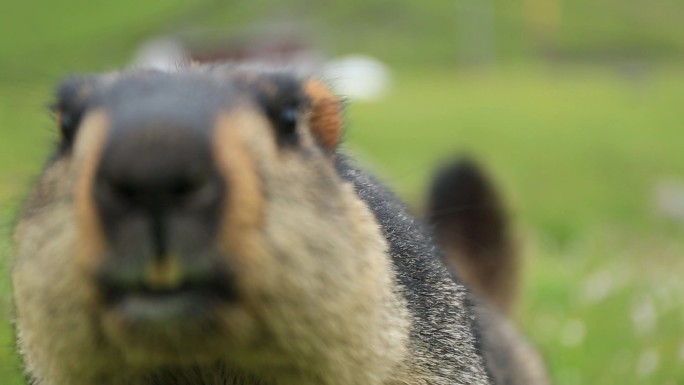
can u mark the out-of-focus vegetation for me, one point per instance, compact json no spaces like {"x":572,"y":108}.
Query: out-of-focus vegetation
{"x":574,"y":106}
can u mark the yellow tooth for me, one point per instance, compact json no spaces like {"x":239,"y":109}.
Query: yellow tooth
{"x":165,"y":274}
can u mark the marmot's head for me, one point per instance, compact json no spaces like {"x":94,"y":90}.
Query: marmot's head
{"x":194,"y":217}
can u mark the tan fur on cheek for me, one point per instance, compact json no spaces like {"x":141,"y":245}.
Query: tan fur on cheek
{"x":243,"y":210}
{"x":87,"y":153}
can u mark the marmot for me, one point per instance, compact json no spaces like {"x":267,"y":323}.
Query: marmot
{"x":202,"y":227}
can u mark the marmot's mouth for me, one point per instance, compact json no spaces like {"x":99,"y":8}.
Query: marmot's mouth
{"x":140,"y":302}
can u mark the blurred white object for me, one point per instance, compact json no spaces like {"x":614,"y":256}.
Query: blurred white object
{"x":358,"y":77}
{"x":644,"y":316}
{"x":669,"y":199}
{"x":648,"y":361}
{"x":163,"y":54}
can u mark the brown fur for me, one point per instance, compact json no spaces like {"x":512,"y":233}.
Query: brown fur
{"x":245,"y":206}
{"x":491,"y":273}
{"x":86,"y":155}
{"x":48,"y":277}
{"x":268,"y":261}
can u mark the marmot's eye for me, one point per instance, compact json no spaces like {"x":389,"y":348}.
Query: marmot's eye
{"x":72,"y":98}
{"x":68,"y":123}
{"x":287,"y":121}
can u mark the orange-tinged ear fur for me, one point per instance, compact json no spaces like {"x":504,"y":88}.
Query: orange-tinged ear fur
{"x":326,"y":113}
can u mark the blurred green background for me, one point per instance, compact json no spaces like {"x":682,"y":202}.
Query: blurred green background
{"x":574,"y":106}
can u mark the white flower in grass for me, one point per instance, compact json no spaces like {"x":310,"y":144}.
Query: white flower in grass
{"x":644,"y":315}
{"x":573,"y":333}
{"x":598,"y":286}
{"x":647,"y":363}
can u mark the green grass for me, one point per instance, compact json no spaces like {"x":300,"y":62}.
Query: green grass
{"x":624,"y":296}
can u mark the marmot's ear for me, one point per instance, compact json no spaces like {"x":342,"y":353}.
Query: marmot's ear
{"x":326,"y":113}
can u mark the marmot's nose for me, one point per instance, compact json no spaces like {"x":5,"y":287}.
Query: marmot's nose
{"x":165,"y":178}
{"x":156,"y":180}
{"x":166,"y":189}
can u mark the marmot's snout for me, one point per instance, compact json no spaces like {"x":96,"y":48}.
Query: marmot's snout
{"x":158,"y":197}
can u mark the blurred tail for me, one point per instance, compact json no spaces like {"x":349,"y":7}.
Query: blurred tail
{"x":470,"y":224}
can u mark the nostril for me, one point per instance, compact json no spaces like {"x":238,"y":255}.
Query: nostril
{"x":184,"y":187}
{"x":198,"y":193}
{"x":116,"y":194}
{"x":126,"y":191}
{"x":121,"y":193}
{"x":181,"y":191}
